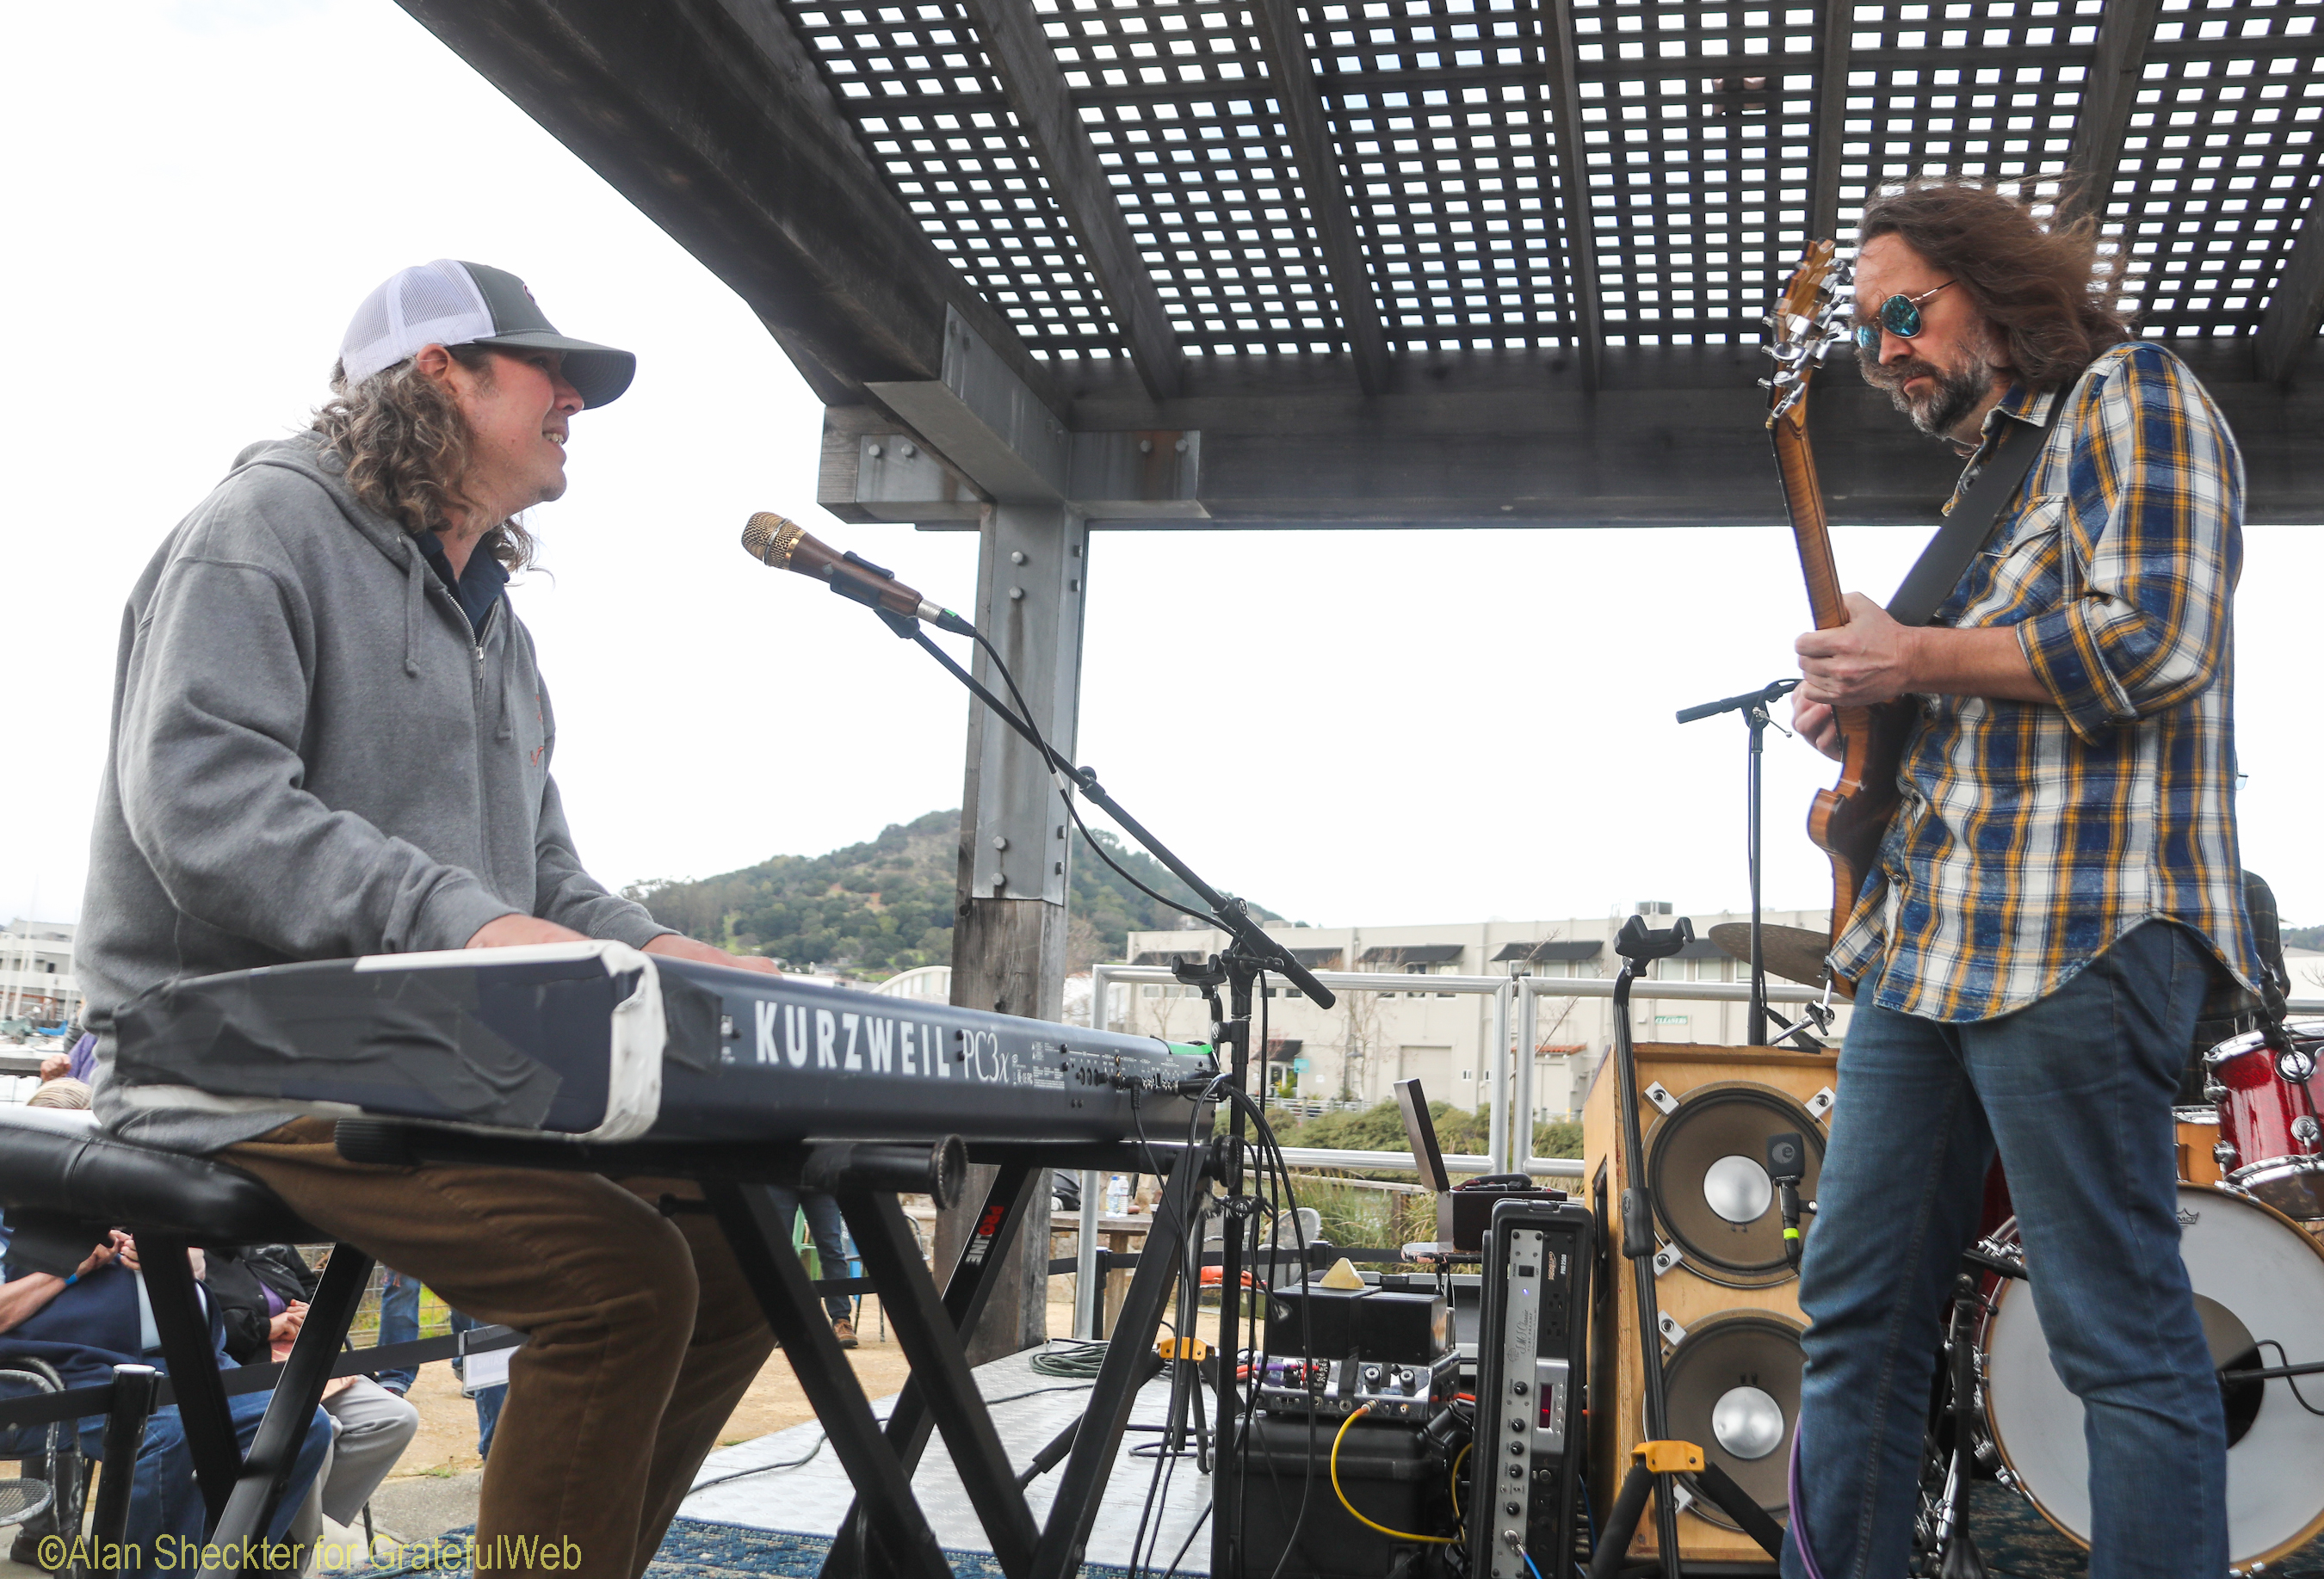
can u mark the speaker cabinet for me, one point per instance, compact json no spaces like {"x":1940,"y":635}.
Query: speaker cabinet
{"x":1728,"y":1304}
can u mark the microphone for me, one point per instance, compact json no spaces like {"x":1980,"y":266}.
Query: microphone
{"x":1787,"y":1165}
{"x":771,"y":539}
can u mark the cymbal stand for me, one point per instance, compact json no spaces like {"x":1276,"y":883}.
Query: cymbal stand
{"x":1753,"y":706}
{"x":1944,"y":1549}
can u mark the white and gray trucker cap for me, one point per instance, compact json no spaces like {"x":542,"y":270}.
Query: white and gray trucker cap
{"x":451,"y":303}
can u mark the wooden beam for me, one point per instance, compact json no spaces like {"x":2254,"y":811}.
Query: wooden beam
{"x":2295,"y":308}
{"x":1035,"y":88}
{"x":710,"y":117}
{"x":1586,"y":330}
{"x":1284,"y":42}
{"x":1830,"y":121}
{"x":1674,"y":435}
{"x":2125,"y":28}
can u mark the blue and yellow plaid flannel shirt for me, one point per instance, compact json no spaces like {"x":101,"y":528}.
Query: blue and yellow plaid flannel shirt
{"x":2032,"y":835}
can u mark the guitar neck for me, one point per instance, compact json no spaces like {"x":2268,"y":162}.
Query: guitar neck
{"x":1811,"y":529}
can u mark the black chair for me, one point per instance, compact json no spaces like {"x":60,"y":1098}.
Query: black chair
{"x":64,"y":1183}
{"x":46,"y":1493}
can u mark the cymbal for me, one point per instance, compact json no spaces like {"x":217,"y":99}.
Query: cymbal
{"x":1794,"y":954}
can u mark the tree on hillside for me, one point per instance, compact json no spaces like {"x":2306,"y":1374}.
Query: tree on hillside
{"x":886,"y":905}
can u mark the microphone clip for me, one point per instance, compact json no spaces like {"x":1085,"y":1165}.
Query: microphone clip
{"x":1786,"y":1166}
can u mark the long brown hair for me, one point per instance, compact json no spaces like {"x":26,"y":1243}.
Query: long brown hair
{"x":406,"y":447}
{"x":2042,"y":284}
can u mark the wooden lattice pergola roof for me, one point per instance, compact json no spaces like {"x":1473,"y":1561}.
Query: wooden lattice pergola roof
{"x":1416,"y":260}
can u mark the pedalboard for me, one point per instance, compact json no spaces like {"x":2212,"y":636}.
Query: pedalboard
{"x":1336,"y":1389}
{"x":1330,"y":1351}
{"x":1530,"y":1352}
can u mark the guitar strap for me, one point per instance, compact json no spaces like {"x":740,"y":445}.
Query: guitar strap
{"x":1939,"y":569}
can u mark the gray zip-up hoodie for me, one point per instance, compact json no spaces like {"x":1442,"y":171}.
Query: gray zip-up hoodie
{"x":313,"y":756}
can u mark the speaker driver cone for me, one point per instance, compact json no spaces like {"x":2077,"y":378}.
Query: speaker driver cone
{"x":1707,"y":1165}
{"x":1733,"y":1386}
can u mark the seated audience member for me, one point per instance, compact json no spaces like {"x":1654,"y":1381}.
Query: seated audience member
{"x":85,"y":1323}
{"x":262,"y":1292}
{"x":63,"y":1092}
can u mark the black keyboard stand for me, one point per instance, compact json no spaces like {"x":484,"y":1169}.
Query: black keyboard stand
{"x":886,"y":1532}
{"x":242,"y":1492}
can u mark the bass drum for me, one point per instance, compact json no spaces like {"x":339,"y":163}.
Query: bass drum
{"x":2259,"y":1283}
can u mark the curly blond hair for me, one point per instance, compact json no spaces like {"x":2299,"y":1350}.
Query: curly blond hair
{"x":406,"y":446}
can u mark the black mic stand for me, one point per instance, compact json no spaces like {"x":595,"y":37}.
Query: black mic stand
{"x":1659,"y":1461}
{"x":1753,"y":705}
{"x":1250,"y":952}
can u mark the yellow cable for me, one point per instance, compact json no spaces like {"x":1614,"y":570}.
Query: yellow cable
{"x":1457,"y":1459}
{"x":1437,"y":1540}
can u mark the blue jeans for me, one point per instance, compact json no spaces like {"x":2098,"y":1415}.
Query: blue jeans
{"x":488,"y":1401}
{"x":829,"y":1231}
{"x":2076,"y":1091}
{"x":398,"y":1323}
{"x":167,"y":1516}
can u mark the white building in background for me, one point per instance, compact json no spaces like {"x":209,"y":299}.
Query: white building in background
{"x":1357,"y":1050}
{"x":36,"y":972}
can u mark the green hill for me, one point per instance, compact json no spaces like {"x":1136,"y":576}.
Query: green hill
{"x":886,"y":905}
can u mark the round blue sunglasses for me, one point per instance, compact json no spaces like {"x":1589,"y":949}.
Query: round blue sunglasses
{"x":1899,"y":315}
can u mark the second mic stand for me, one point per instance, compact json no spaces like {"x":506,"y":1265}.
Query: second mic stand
{"x":1659,"y":1461}
{"x":1753,"y":705}
{"x":1250,"y":952}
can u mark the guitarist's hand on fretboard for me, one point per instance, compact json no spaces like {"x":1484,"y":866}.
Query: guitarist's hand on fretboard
{"x":1867,"y":661}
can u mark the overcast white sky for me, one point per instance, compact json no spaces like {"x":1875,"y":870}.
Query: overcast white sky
{"x":1462,"y":724}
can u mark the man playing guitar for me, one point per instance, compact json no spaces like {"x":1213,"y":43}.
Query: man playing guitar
{"x":2056,"y":895}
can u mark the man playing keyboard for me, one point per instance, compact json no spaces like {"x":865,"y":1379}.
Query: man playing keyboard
{"x":329,"y":739}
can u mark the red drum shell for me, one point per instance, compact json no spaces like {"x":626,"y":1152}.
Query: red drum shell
{"x":2261,"y":1153}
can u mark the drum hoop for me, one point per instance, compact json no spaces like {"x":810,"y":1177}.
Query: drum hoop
{"x":2306,"y":1533}
{"x":2244,"y":1042}
{"x":2252,"y":1172}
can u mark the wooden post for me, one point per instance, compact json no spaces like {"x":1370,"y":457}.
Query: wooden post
{"x":1009,"y":930}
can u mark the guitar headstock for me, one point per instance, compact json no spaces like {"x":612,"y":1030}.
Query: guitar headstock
{"x":1808,"y":319}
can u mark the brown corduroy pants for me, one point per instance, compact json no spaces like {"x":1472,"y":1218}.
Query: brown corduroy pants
{"x":643,"y":1333}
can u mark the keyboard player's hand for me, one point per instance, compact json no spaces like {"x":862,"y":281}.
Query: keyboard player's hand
{"x":513,"y":931}
{"x":683,"y":947}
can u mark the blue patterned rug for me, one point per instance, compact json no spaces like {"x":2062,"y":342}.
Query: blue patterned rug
{"x":696,"y":1549}
{"x":2018,"y":1543}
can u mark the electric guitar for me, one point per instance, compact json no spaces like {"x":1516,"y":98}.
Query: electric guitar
{"x":1847,"y":820}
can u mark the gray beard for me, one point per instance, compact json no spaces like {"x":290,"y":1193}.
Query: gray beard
{"x":1955,"y":394}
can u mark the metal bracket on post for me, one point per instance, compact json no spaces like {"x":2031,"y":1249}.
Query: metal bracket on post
{"x":1030,"y":578}
{"x":979,"y":431}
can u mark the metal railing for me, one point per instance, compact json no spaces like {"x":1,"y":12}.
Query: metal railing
{"x":1510,"y":1117}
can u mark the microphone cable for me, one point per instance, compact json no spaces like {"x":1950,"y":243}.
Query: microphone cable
{"x":1058,"y":766}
